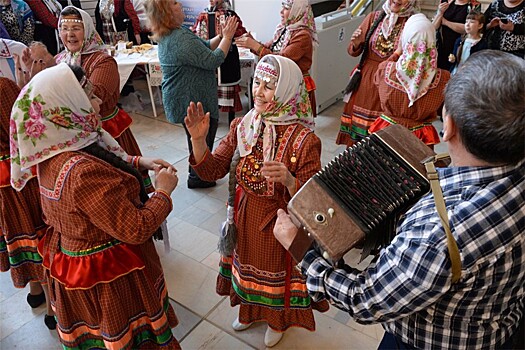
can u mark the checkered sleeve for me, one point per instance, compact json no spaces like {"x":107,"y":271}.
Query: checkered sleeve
{"x":409,"y":275}
{"x":102,"y":195}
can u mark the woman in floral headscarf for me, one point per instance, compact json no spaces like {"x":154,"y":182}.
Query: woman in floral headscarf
{"x":278,"y":153}
{"x":18,"y":19}
{"x":295,"y":37}
{"x":106,"y":280}
{"x":21,"y":222}
{"x":83,"y":47}
{"x":411,"y":89}
{"x":375,"y":40}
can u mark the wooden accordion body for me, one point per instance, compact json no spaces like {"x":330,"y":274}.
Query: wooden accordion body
{"x":358,"y":196}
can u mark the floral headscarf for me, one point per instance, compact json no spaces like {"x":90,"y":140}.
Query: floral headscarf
{"x":390,"y":19}
{"x":291,"y":105}
{"x":52,"y":115}
{"x":92,"y":41}
{"x":301,"y":17}
{"x":417,"y":66}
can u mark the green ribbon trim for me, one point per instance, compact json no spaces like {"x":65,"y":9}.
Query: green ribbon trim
{"x":23,"y":257}
{"x":92,"y":250}
{"x":279,"y":302}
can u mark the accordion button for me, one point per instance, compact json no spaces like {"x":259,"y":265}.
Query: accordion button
{"x":326,"y":255}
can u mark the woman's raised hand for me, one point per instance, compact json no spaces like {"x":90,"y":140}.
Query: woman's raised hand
{"x":197,"y":123}
{"x":356,"y":34}
{"x":21,"y":73}
{"x":229,"y":28}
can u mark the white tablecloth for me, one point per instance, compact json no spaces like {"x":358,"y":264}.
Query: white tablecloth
{"x":127,"y":62}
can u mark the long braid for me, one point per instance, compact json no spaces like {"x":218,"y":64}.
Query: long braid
{"x":232,"y":180}
{"x":353,"y":84}
{"x":228,"y":236}
{"x":97,"y":151}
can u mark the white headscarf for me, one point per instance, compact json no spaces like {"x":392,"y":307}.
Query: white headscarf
{"x":417,"y":66}
{"x":390,"y":19}
{"x":7,"y":62}
{"x":291,"y":105}
{"x":52,"y":115}
{"x":301,"y":17}
{"x":92,"y":41}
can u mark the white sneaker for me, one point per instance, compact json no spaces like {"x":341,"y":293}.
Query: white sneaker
{"x":238,"y":326}
{"x":271,"y":337}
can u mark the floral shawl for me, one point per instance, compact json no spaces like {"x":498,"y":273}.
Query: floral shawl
{"x":390,"y":19}
{"x":52,"y":115}
{"x":417,"y":65}
{"x":92,"y":41}
{"x":291,"y":105}
{"x":301,"y":17}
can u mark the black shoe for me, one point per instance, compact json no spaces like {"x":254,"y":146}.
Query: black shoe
{"x":36,"y":300}
{"x":198,"y":183}
{"x":51,"y":322}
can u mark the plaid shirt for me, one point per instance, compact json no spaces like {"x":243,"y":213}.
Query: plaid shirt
{"x":409,"y":288}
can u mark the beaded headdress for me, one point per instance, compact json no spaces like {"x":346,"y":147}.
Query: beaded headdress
{"x":73,"y":20}
{"x":267,"y":72}
{"x":287,"y":4}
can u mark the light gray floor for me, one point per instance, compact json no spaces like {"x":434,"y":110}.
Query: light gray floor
{"x":191,"y":265}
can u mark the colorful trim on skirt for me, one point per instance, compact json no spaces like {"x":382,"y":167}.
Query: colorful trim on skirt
{"x":143,"y":332}
{"x":426,"y":132}
{"x":353,"y":128}
{"x":20,"y":255}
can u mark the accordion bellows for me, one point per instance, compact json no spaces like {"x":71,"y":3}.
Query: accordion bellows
{"x":358,"y":197}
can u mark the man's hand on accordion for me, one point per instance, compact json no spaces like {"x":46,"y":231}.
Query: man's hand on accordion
{"x":284,"y":229}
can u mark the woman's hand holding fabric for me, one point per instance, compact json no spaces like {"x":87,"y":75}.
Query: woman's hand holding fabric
{"x":278,"y":172}
{"x":166,"y":179}
{"x":146,"y":163}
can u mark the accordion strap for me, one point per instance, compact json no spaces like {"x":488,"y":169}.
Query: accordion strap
{"x":452,"y":246}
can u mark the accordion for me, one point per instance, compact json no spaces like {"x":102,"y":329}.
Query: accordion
{"x":357,"y":198}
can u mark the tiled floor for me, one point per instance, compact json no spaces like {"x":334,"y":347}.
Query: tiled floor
{"x":191,"y":264}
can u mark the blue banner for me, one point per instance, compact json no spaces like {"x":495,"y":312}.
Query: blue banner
{"x":192,"y":8}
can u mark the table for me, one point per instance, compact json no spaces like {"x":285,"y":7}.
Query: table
{"x":150,"y":60}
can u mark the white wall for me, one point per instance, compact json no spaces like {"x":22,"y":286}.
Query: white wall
{"x":259,"y":16}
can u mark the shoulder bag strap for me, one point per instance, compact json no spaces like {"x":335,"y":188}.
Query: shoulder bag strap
{"x":453,"y":250}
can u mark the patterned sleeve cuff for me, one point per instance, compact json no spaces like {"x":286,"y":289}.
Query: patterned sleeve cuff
{"x":165,"y":196}
{"x":193,"y":161}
